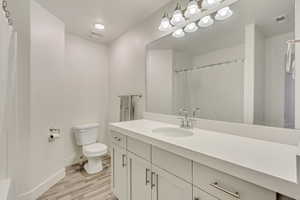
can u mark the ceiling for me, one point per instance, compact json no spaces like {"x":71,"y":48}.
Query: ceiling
{"x":117,"y":15}
{"x":231,"y":31}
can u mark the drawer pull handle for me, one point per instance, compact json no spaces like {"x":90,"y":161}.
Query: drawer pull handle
{"x":123,"y":160}
{"x":152,"y":180}
{"x":234,"y":194}
{"x":117,"y":139}
{"x":147,"y":180}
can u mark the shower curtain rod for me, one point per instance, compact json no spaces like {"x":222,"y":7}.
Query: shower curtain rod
{"x":210,"y":65}
{"x":4,"y":5}
{"x":132,"y":95}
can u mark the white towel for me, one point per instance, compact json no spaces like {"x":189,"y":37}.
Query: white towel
{"x":290,"y":59}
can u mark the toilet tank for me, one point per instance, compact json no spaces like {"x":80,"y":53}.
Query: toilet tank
{"x":86,"y":133}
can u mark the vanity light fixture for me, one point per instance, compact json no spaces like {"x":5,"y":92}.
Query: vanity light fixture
{"x":224,"y":13}
{"x":191,"y":27}
{"x":179,"y":33}
{"x":165,"y":23}
{"x":177,"y":18}
{"x":192,"y":9}
{"x":206,"y":21}
{"x":185,"y":20}
{"x":207,"y":4}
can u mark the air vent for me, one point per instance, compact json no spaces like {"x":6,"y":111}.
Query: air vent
{"x":96,"y":35}
{"x":281,"y":18}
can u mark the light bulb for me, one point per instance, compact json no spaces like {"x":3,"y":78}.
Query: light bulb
{"x":207,"y":4}
{"x":192,"y":9}
{"x":165,"y":24}
{"x":206,"y":21}
{"x":178,"y":18}
{"x":179,"y":33}
{"x":224,"y":13}
{"x":191,"y":27}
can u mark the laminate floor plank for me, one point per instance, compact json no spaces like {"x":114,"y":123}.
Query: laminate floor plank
{"x":78,"y":185}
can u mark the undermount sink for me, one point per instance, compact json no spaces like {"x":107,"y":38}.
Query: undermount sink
{"x":173,"y":132}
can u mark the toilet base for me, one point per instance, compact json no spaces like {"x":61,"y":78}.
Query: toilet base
{"x":94,"y":165}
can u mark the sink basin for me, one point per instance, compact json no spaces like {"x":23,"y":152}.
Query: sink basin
{"x":173,"y":132}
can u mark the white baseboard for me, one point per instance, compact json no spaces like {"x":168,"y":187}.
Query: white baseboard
{"x":43,"y":187}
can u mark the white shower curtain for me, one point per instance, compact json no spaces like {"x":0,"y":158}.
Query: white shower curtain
{"x":217,"y":91}
{"x":8,"y":67}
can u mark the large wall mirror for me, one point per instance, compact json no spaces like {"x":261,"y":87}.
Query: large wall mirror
{"x":236,"y":70}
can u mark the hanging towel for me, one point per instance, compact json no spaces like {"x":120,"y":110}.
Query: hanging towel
{"x":127,"y":107}
{"x":290,"y":59}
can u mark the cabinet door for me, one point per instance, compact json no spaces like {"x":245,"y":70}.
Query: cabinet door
{"x":166,"y":186}
{"x":139,"y":175}
{"x":119,"y":172}
{"x":201,"y":195}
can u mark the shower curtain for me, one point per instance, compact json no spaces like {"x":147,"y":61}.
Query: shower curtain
{"x":181,"y":96}
{"x":217,"y":91}
{"x":8,"y":67}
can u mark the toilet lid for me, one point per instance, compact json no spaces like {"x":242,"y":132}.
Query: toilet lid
{"x":95,"y":148}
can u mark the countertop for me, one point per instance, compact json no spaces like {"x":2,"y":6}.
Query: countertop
{"x":274,"y":159}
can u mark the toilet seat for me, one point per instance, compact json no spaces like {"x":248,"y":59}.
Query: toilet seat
{"x":93,"y":150}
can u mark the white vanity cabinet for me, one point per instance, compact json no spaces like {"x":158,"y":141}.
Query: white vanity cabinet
{"x":139,"y":178}
{"x":169,"y":187}
{"x":226,"y":187}
{"x":145,"y":172}
{"x":199,"y":194}
{"x":119,"y":171}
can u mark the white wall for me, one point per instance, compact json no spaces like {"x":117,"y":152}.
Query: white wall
{"x":86,"y":94}
{"x":249,"y":74}
{"x":181,"y":97}
{"x":218,"y":90}
{"x":128,"y":63}
{"x":4,"y":43}
{"x":19,"y":143}
{"x":275,"y":79}
{"x":68,"y":85}
{"x":160,"y":81}
{"x":47,"y":91}
{"x":182,"y":60}
{"x":259,"y":77}
{"x":297,"y":83}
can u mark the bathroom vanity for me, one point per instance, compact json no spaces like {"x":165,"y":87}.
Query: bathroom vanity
{"x":154,"y":160}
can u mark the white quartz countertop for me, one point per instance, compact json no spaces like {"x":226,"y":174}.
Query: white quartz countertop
{"x":274,"y":159}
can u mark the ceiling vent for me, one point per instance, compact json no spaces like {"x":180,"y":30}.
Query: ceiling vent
{"x":96,"y":35}
{"x":281,"y":18}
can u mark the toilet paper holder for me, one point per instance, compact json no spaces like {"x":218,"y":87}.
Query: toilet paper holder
{"x":54,"y":134}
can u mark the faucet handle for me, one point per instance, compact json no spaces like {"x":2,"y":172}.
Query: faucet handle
{"x":195,"y":111}
{"x":183,"y":112}
{"x":182,"y":122}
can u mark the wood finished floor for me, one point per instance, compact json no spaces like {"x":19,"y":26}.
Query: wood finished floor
{"x":78,"y":185}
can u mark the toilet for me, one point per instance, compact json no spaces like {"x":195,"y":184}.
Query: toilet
{"x":86,"y":136}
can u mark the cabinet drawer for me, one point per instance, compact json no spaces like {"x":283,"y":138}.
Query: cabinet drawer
{"x":177,"y":165}
{"x":201,"y":195}
{"x":139,"y":148}
{"x":118,"y":138}
{"x":226,"y":187}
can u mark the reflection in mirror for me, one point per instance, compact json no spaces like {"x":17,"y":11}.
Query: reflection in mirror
{"x":237,"y":70}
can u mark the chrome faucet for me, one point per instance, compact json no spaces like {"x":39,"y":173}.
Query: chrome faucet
{"x":186,"y":121}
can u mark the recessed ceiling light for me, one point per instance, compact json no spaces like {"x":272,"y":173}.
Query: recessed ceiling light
{"x":99,"y":26}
